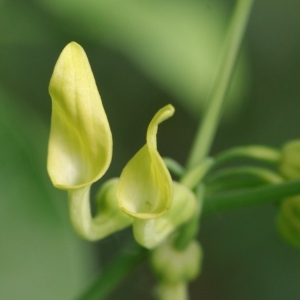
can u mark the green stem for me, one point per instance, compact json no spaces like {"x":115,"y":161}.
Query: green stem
{"x":265,"y":175}
{"x":113,"y":274}
{"x":206,"y":131}
{"x":173,"y":166}
{"x":260,"y":153}
{"x":233,"y":184}
{"x":251,"y":197}
{"x":189,"y":231}
{"x":195,"y":175}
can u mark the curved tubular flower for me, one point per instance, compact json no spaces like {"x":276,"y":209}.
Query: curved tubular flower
{"x":80,"y":145}
{"x":145,"y":186}
{"x":150,"y":233}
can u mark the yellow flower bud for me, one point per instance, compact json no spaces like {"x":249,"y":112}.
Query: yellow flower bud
{"x":80,"y":144}
{"x":289,"y":220}
{"x":172,"y":265}
{"x":145,"y":187}
{"x":290,"y":160}
{"x":150,"y":233}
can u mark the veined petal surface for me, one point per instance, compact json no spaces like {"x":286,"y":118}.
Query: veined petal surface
{"x":80,"y":145}
{"x":145,"y":186}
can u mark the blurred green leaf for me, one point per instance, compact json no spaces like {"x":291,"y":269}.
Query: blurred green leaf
{"x":39,"y":257}
{"x":175,"y":42}
{"x":22,"y":23}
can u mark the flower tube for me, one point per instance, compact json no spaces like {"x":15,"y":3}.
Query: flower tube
{"x":146,"y":191}
{"x":145,"y":186}
{"x":80,"y":144}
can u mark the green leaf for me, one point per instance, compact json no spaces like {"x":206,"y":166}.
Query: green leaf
{"x":177,"y":43}
{"x":37,"y":246}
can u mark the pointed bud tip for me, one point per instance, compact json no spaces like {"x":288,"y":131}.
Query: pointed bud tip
{"x":80,"y":144}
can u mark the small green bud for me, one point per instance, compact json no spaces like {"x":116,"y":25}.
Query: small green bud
{"x":172,"y":265}
{"x":289,"y":220}
{"x":290,"y":160}
{"x":150,"y":233}
{"x":172,"y":291}
{"x":109,"y":218}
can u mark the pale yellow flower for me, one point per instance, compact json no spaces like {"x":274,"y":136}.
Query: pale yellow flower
{"x":145,"y":187}
{"x":146,"y":191}
{"x":80,"y":145}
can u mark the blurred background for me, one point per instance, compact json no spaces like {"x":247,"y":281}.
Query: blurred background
{"x":144,"y":54}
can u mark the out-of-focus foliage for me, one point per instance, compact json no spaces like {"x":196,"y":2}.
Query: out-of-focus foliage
{"x":38,"y":251}
{"x":21,"y":23}
{"x":177,"y":43}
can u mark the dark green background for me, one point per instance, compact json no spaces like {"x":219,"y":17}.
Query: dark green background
{"x":144,"y":54}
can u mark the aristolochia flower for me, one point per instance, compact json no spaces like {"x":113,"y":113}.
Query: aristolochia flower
{"x":145,"y":186}
{"x":147,"y":194}
{"x":80,"y":150}
{"x":80,"y":145}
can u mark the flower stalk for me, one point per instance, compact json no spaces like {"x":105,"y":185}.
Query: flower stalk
{"x":206,"y":131}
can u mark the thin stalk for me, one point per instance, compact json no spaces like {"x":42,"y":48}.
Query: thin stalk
{"x":259,"y":153}
{"x":113,"y":274}
{"x":264,"y":174}
{"x":207,"y":129}
{"x":254,"y":196}
{"x":233,"y":184}
{"x":173,"y":166}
